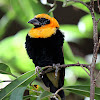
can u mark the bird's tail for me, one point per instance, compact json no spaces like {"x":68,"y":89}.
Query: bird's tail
{"x":55,"y":83}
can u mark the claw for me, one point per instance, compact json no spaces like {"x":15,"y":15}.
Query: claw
{"x":57,"y":69}
{"x":37,"y":69}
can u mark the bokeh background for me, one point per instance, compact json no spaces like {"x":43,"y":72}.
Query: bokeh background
{"x":75,"y":23}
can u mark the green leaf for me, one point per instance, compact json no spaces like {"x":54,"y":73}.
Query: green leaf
{"x":81,"y":6}
{"x":68,"y":55}
{"x":71,"y":32}
{"x":26,"y":10}
{"x":98,"y":66}
{"x":44,"y":95}
{"x":83,"y":30}
{"x":79,"y":0}
{"x":85,"y":25}
{"x":37,"y":6}
{"x":17,"y":94}
{"x":5,"y":21}
{"x":23,"y":80}
{"x":18,"y":10}
{"x":4,"y":69}
{"x":83,"y":90}
{"x":27,"y":97}
{"x":16,"y":44}
{"x":78,"y":70}
{"x":64,"y":3}
{"x":69,"y":3}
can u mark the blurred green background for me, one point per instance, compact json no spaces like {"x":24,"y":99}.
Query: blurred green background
{"x":75,"y":22}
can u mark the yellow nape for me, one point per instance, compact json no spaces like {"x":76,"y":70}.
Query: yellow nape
{"x":44,"y":31}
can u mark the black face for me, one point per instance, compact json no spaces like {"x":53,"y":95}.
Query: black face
{"x":38,"y":22}
{"x":42,"y":21}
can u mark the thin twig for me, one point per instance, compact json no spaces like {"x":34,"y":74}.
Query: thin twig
{"x":59,"y":90}
{"x":98,"y":5}
{"x":97,"y":76}
{"x":78,"y":1}
{"x":92,"y":3}
{"x":35,"y":91}
{"x":56,"y":93}
{"x":56,"y":97}
{"x":51,"y":10}
{"x":85,"y":70}
{"x":98,"y":20}
{"x":84,"y":65}
{"x":54,"y":5}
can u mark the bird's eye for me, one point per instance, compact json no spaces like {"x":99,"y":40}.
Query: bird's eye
{"x":47,"y":21}
{"x":44,"y":21}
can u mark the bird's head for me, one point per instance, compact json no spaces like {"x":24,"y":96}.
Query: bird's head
{"x":44,"y":26}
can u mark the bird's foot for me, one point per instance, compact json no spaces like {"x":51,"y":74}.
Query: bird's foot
{"x":57,"y":69}
{"x":37,"y":69}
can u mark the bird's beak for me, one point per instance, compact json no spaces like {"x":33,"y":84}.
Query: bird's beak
{"x":34,"y":21}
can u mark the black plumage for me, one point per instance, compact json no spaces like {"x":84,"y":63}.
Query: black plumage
{"x":45,"y":52}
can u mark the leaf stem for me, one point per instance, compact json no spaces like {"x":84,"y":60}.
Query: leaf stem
{"x":9,"y":73}
{"x":6,"y":81}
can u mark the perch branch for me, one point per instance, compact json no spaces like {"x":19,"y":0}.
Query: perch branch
{"x":48,"y":69}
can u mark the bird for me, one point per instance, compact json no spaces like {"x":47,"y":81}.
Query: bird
{"x":44,"y":45}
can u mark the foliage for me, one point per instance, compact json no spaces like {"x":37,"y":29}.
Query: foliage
{"x":14,"y":60}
